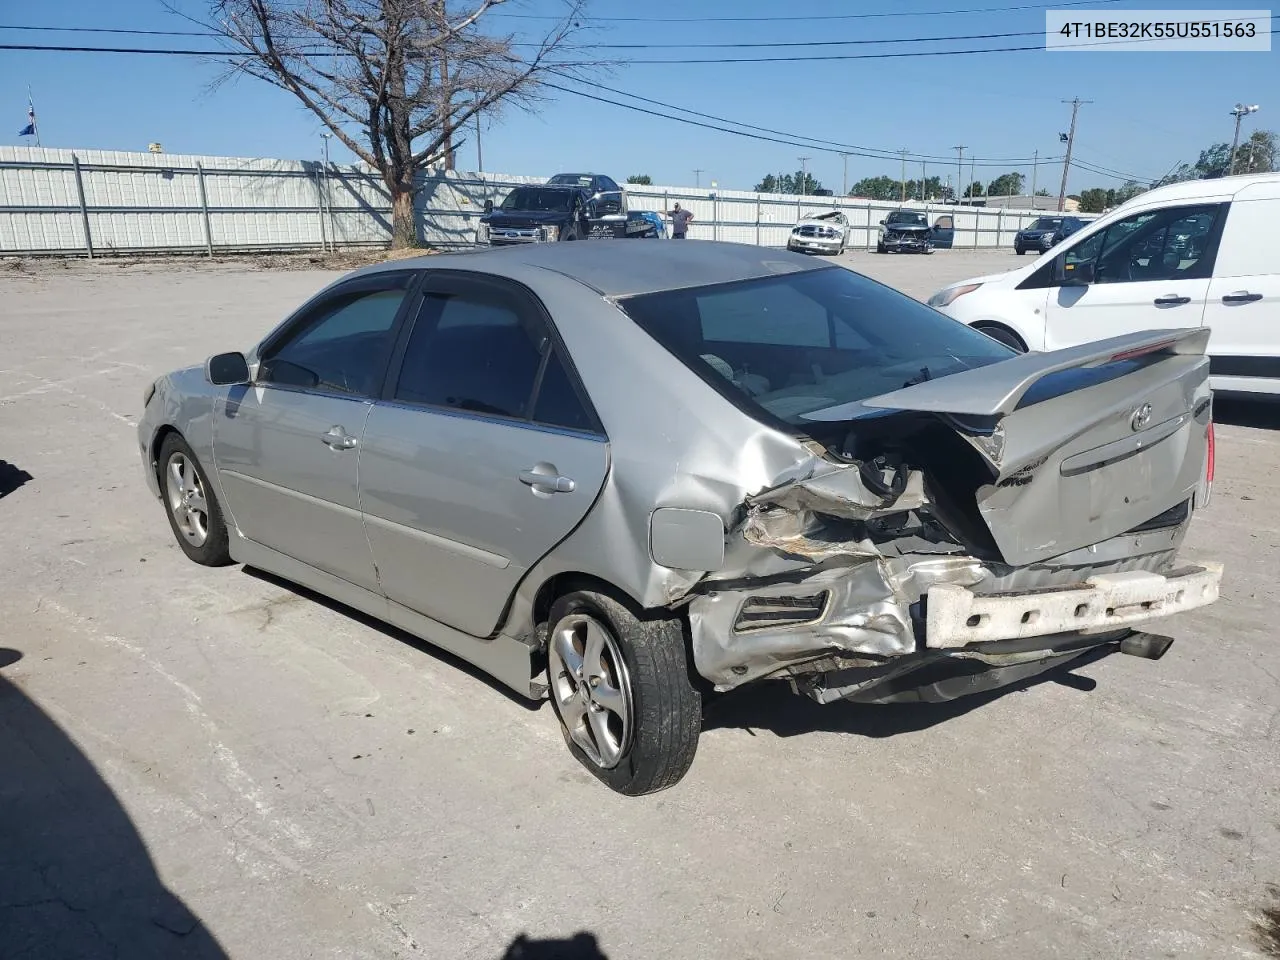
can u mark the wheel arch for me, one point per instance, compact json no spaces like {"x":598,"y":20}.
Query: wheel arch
{"x":979,"y":325}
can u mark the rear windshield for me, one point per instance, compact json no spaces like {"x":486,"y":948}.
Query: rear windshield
{"x":791,"y":345}
{"x":1046,"y":223}
{"x":539,"y":199}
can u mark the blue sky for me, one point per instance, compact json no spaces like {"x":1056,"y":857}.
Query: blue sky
{"x":1150,"y":110}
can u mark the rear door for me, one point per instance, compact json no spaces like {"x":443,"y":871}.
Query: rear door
{"x":482,"y":454}
{"x":286,"y":447}
{"x":944,"y":231}
{"x":1243,"y":312}
{"x":1151,"y":271}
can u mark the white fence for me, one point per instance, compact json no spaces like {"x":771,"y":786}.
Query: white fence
{"x":96,"y":202}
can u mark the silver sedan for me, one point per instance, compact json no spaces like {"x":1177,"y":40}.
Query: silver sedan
{"x":626,"y":476}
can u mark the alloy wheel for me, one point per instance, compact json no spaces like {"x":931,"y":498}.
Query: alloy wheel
{"x":186,"y":497}
{"x":591,"y":687}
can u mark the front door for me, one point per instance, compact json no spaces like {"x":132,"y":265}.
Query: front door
{"x":482,"y":455}
{"x":1150,"y":271}
{"x":944,"y":232}
{"x":286,"y":447}
{"x":1243,"y":311}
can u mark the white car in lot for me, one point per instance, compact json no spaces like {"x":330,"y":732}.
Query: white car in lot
{"x":1199,"y":253}
{"x":823,"y":233}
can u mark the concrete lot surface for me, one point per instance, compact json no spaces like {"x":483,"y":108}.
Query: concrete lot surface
{"x":209,"y":763}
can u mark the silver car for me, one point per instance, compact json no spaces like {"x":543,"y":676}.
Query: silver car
{"x":624,"y":476}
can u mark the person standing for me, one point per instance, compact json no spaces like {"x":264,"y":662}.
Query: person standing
{"x":679,"y":222}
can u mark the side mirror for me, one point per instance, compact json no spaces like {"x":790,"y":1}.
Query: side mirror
{"x":882,"y":223}
{"x":227,"y":369}
{"x":488,"y":206}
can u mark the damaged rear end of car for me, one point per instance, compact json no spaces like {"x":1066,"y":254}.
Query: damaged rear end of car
{"x":968,"y":530}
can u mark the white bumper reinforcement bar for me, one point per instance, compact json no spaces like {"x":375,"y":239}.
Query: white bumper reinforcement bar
{"x":957,"y":616}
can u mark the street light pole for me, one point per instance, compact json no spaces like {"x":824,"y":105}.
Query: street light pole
{"x":1035,"y":169}
{"x":804,"y":175}
{"x":1239,"y":112}
{"x":845,"y":192}
{"x":903,"y":181}
{"x":328,"y":194}
{"x":959,"y":172}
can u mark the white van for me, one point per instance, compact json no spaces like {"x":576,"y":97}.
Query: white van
{"x":1200,"y":253}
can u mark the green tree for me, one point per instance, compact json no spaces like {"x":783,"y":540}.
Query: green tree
{"x":974,"y":189}
{"x":1094,"y":200}
{"x":1042,"y":192}
{"x":1006,"y":185}
{"x":640,"y":179}
{"x":797,"y":182}
{"x":877,"y":188}
{"x":1258,"y":153}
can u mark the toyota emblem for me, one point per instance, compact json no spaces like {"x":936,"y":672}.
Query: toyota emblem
{"x":1141,"y":417}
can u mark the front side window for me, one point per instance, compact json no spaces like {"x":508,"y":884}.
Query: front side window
{"x":487,"y":351}
{"x":1155,"y":245}
{"x":791,"y":345}
{"x":342,"y":346}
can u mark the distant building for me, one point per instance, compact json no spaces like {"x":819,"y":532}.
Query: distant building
{"x":1033,"y":203}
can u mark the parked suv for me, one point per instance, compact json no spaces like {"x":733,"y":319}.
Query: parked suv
{"x":1045,"y":233}
{"x":1194,"y":254}
{"x":570,"y":206}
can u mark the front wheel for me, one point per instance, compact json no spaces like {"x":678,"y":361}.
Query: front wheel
{"x":621,"y":689}
{"x":880,"y":248}
{"x":194,"y":513}
{"x":1001,"y":335}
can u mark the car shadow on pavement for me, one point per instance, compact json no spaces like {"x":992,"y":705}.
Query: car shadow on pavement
{"x":395,"y":633}
{"x":75,"y":876}
{"x":1263,"y":414}
{"x":581,"y":946}
{"x":11,"y":477}
{"x":770,"y":705}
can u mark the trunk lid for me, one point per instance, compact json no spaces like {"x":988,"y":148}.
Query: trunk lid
{"x":1084,"y":444}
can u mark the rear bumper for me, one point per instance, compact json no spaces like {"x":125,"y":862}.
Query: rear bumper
{"x":957,"y":617}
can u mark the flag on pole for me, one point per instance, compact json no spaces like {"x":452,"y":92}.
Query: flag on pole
{"x":30,"y":129}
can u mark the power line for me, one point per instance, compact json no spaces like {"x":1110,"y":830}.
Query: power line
{"x":867,"y":151}
{"x":133,"y":32}
{"x":817,"y":17}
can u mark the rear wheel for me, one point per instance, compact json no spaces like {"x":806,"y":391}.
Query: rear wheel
{"x":194,"y":514}
{"x":621,"y":689}
{"x":1000,"y":334}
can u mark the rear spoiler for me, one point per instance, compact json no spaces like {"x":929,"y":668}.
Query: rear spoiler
{"x":996,"y":389}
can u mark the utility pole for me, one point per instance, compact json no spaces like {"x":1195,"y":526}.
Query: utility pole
{"x":1239,"y":112}
{"x":479,"y":155}
{"x":804,"y":175}
{"x":697,"y":176}
{"x":1071,"y":142}
{"x":845,"y":192}
{"x":973,"y":173}
{"x":923,"y":180}
{"x":959,"y":172}
{"x":1035,"y":169}
{"x":903,"y":180}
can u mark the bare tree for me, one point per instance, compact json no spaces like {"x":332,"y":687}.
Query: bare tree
{"x":394,"y":80}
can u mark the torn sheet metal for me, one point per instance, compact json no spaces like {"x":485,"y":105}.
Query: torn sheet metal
{"x":843,"y":492}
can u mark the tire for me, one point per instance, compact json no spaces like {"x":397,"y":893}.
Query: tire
{"x":1001,"y":335}
{"x":648,"y":742}
{"x":1019,"y":251}
{"x":184,"y":486}
{"x":880,"y":248}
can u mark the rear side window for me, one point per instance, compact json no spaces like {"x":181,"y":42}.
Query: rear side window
{"x":487,"y":351}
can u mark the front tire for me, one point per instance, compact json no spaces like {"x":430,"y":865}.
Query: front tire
{"x":880,"y":248}
{"x":621,"y":689}
{"x":1001,"y":335}
{"x":195,"y":515}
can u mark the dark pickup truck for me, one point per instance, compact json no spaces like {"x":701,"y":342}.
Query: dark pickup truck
{"x":567,"y":207}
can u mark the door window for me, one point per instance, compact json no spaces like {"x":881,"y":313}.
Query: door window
{"x":488,"y":351}
{"x":944,"y":223}
{"x":340,"y":346}
{"x":1176,"y":243}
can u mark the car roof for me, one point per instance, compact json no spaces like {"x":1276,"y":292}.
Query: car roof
{"x":621,"y":268}
{"x":1219,"y":188}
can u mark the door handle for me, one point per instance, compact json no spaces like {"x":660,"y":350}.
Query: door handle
{"x":1172,"y":300}
{"x":544,"y":478}
{"x":1241,"y":296}
{"x":338,"y":438}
